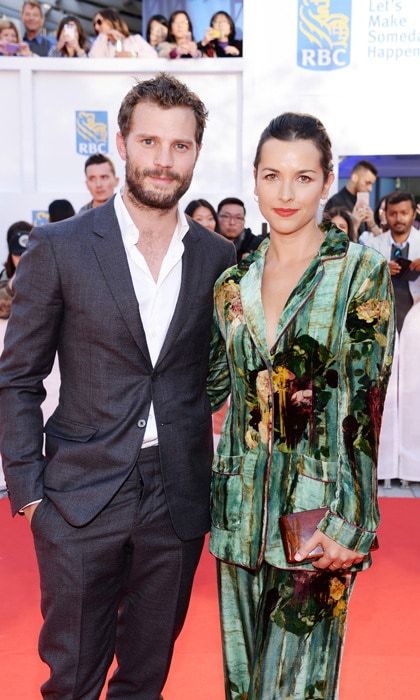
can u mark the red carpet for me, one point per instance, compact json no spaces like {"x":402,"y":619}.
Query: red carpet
{"x":383,"y":641}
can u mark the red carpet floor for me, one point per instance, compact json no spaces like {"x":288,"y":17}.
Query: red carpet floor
{"x":381,"y":660}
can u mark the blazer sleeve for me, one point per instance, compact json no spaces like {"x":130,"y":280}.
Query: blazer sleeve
{"x":367,"y":352}
{"x":29,"y":350}
{"x":218,"y":380}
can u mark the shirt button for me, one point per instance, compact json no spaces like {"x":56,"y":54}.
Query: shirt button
{"x":141,"y":423}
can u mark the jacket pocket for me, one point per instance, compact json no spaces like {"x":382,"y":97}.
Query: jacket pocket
{"x":315,"y":483}
{"x":69,"y":430}
{"x":226,"y":492}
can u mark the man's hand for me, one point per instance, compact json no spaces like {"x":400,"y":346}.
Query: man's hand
{"x":335,"y":556}
{"x":29,"y":511}
{"x":394,"y":267}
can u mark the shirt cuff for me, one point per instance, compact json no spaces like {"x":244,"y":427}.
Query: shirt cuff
{"x":21,"y":511}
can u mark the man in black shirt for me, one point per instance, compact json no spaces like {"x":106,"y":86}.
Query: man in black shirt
{"x":231,"y":216}
{"x":362,"y":179}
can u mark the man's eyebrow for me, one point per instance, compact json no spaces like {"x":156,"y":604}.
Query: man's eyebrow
{"x":181,"y":139}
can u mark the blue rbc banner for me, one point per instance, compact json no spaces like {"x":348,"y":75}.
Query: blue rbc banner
{"x":324,"y":33}
{"x":40,"y":217}
{"x":91,"y":132}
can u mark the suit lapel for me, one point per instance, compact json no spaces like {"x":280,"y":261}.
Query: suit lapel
{"x":190,"y":282}
{"x":110,"y":252}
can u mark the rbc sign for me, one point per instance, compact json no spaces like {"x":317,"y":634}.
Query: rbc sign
{"x":91,"y":133}
{"x":40,"y":217}
{"x":324,"y":31}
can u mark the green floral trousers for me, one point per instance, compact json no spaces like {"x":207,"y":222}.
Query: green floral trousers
{"x":282,"y":632}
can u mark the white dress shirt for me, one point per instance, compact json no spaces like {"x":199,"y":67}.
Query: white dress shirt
{"x":156,"y":300}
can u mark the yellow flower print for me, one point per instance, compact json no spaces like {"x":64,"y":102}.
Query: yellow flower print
{"x":337,"y":589}
{"x":373,"y":310}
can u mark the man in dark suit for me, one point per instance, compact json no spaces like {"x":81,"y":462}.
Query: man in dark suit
{"x":119,"y":502}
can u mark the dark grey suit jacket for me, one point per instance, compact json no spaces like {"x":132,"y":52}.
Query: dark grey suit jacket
{"x":74,"y":295}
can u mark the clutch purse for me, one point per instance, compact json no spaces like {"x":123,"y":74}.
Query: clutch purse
{"x":297,"y":528}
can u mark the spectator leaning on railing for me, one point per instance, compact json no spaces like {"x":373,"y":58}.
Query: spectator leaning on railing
{"x":180,"y":41}
{"x":10,"y":43}
{"x":33,"y":21}
{"x":219,"y":39}
{"x":114,"y":39}
{"x":72,"y":41}
{"x":157,"y":30}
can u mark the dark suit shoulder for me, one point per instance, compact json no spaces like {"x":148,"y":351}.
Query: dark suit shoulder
{"x":210,"y":238}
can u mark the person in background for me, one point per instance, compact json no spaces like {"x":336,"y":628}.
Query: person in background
{"x":295,"y":346}
{"x":60,"y":209}
{"x":10,"y":43}
{"x":157,"y":30}
{"x":114,"y":39}
{"x":362,"y":178}
{"x":342,"y":218}
{"x":101,"y":180}
{"x":72,"y":41}
{"x":204,"y":213}
{"x":21,"y":228}
{"x":231,"y":217}
{"x":33,"y":20}
{"x":180,"y":40}
{"x":17,"y":246}
{"x":400,"y":244}
{"x":219,"y":39}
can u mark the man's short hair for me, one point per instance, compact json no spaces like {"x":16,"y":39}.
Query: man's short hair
{"x":231,"y":200}
{"x":398,"y":197}
{"x":98,"y":159}
{"x":32,"y":3}
{"x":165,"y":91}
{"x":364,"y":165}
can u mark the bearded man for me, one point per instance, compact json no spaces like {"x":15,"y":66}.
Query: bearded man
{"x":118,"y":502}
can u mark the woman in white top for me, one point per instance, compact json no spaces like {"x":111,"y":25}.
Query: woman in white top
{"x":114,"y":39}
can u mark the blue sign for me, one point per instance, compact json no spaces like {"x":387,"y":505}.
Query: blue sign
{"x":324,"y":33}
{"x":91,"y":133}
{"x":40,"y":217}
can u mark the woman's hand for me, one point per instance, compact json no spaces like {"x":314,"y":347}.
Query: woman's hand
{"x":231,"y":50}
{"x":114,"y":35}
{"x":187,"y":48}
{"x":335,"y":556}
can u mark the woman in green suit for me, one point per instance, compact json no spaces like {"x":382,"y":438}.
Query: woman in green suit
{"x":303,"y":343}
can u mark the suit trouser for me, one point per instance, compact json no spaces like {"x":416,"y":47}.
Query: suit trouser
{"x":120,"y":584}
{"x":282,"y":632}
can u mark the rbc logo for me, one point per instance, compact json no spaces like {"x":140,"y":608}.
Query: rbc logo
{"x":324,"y":34}
{"x":91,"y":133}
{"x":40,"y":217}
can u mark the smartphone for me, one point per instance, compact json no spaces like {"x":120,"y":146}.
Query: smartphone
{"x":70,"y":30}
{"x":362,"y":200}
{"x":9,"y":47}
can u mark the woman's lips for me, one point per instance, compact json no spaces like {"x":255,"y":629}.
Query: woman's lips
{"x":286,"y":212}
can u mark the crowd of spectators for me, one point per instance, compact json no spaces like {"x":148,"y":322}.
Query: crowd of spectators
{"x":167,"y":38}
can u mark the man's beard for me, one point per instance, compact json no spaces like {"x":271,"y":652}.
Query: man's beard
{"x":135,"y":179}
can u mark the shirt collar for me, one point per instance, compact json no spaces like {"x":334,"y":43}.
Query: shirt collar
{"x":129,"y":230}
{"x":407,"y":240}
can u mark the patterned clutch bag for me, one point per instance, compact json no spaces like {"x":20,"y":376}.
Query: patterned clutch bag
{"x":297,"y":528}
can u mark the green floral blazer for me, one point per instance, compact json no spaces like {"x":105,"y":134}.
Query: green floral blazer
{"x":303,"y":422}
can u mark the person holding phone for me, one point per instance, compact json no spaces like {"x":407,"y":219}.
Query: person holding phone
{"x":354,"y":196}
{"x":295,"y":346}
{"x":114,"y":40}
{"x":10,"y":43}
{"x":180,"y":40}
{"x":72,"y":41}
{"x":219,"y":39}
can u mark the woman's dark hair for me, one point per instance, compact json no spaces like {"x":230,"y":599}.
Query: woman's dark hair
{"x":232,"y":32}
{"x":116,"y":20}
{"x":155,"y":18}
{"x":345,"y":214}
{"x":170,"y":36}
{"x":196,"y":203}
{"x":17,"y":227}
{"x":381,"y":205}
{"x":292,"y":126}
{"x":83,"y":40}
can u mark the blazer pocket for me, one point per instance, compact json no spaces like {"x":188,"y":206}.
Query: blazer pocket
{"x":69,"y":430}
{"x":315,"y":485}
{"x":226,"y":492}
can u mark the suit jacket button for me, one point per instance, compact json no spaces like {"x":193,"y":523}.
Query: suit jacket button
{"x":141,"y":423}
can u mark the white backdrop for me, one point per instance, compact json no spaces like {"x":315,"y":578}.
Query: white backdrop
{"x":368,"y":106}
